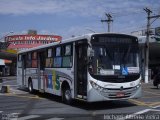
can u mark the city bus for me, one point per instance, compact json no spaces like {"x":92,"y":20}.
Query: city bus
{"x":93,"y":67}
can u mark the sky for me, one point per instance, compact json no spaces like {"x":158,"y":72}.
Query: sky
{"x":74,"y":17}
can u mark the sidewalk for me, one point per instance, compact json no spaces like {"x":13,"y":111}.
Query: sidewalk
{"x":8,"y":83}
{"x":8,"y":78}
{"x":149,"y":84}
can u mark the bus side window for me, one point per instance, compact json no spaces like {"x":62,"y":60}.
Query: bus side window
{"x":34,"y":60}
{"x":28,"y":61}
{"x":42,"y":56}
{"x":24,"y":61}
{"x":49,"y":58}
{"x":19,"y":61}
{"x":67,"y":56}
{"x":58,"y":57}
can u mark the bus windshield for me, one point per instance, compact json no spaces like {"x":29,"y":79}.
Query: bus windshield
{"x":114,"y":56}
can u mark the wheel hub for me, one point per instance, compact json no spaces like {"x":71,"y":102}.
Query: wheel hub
{"x":67,"y":94}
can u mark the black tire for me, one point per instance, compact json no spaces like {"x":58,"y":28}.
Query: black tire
{"x":66,"y":95}
{"x":30,"y":86}
{"x":154,"y":83}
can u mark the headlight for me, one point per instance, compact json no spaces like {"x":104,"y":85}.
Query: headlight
{"x":139,"y":85}
{"x":97,"y":87}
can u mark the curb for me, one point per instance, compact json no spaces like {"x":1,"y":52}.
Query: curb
{"x":8,"y":78}
{"x":5,"y":89}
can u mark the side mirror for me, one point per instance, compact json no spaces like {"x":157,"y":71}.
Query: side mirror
{"x":90,"y":52}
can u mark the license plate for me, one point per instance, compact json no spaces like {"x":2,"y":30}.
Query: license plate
{"x":120,"y":94}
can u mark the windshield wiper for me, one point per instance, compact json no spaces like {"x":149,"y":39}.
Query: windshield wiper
{"x":126,"y":54}
{"x":108,"y":53}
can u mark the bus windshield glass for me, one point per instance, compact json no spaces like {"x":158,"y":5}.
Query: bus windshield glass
{"x":114,"y":55}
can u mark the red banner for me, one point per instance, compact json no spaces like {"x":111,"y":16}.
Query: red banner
{"x":33,"y":37}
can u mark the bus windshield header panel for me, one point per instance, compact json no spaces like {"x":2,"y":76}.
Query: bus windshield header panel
{"x":114,"y":56}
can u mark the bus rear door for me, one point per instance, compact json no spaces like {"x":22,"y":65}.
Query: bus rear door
{"x":23,"y":70}
{"x":41,"y":64}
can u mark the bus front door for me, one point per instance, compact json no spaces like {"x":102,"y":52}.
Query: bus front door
{"x":81,"y":70}
{"x":41,"y":63}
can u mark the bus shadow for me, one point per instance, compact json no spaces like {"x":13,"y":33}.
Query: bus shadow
{"x":86,"y":105}
{"x":90,"y":106}
{"x":103,"y":105}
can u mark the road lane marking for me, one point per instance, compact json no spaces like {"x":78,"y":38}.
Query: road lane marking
{"x":14,"y":116}
{"x":55,"y":119}
{"x":155,"y":103}
{"x":146,"y":110}
{"x":28,"y":117}
{"x":16,"y":91}
{"x":156,"y":106}
{"x":138,"y":102}
{"x":9,"y":116}
{"x":157,"y":96}
{"x":149,"y":104}
{"x":143,"y":111}
{"x":132,"y":116}
{"x":21,"y":96}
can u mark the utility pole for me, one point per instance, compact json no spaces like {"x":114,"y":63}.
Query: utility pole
{"x":109,"y":20}
{"x":149,"y":17}
{"x":148,"y":11}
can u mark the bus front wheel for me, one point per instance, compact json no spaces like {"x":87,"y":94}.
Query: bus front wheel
{"x":66,"y":95}
{"x":30,"y":86}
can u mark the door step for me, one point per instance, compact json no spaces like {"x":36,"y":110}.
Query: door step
{"x":41,"y":91}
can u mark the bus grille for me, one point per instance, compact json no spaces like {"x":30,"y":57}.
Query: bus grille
{"x":112,"y":92}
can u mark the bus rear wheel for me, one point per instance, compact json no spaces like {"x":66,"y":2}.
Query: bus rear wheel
{"x":66,"y":95}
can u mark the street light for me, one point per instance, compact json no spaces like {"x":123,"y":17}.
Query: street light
{"x":3,"y":44}
{"x":90,"y":30}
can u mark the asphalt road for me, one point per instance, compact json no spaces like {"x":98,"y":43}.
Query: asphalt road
{"x":19,"y":104}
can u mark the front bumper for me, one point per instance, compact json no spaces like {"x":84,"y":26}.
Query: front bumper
{"x":111,"y":94}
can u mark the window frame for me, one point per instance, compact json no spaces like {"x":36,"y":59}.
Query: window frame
{"x":70,"y":55}
{"x":34,"y":59}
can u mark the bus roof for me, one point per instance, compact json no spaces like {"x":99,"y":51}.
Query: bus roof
{"x":55,"y":43}
{"x":72,"y":39}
